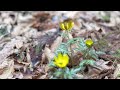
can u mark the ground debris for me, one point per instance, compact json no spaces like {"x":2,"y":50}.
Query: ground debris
{"x":29,"y":39}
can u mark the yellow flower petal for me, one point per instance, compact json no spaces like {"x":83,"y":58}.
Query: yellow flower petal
{"x":71,"y":24}
{"x":62,"y":26}
{"x":89,"y":42}
{"x":66,"y":58}
{"x":61,"y":60}
{"x":67,"y":25}
{"x":61,"y":65}
{"x":60,"y":56}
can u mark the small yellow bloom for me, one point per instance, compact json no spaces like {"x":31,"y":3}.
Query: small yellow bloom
{"x":67,"y":25}
{"x":61,"y":60}
{"x":89,"y":43}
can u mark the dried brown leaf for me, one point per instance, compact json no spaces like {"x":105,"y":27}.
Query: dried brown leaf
{"x":103,"y":65}
{"x":18,"y":75}
{"x":48,"y":53}
{"x":8,"y":71}
{"x":29,"y":59}
{"x":44,"y":76}
{"x":43,"y":58}
{"x":56,"y":43}
{"x":117,"y":71}
{"x":28,"y":76}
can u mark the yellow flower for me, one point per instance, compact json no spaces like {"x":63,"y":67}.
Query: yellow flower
{"x":67,"y":25}
{"x":89,"y":43}
{"x":61,"y":60}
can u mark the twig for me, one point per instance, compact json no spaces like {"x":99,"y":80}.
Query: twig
{"x":109,"y":57}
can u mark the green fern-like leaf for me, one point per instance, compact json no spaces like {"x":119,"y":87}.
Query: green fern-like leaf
{"x":3,"y":31}
{"x":62,"y":49}
{"x":117,"y":53}
{"x":93,"y":54}
{"x":100,"y":52}
{"x":72,"y":41}
{"x":81,"y":45}
{"x":86,"y":62}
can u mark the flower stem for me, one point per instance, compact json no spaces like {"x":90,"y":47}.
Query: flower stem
{"x":70,"y":49}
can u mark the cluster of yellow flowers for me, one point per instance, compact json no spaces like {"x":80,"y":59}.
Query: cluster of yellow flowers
{"x":67,"y":25}
{"x":62,"y":60}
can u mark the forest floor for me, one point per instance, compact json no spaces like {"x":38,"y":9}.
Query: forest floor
{"x":29,"y":39}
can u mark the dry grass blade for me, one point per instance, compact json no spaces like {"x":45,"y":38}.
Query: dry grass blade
{"x":8,"y":71}
{"x":117,"y":72}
